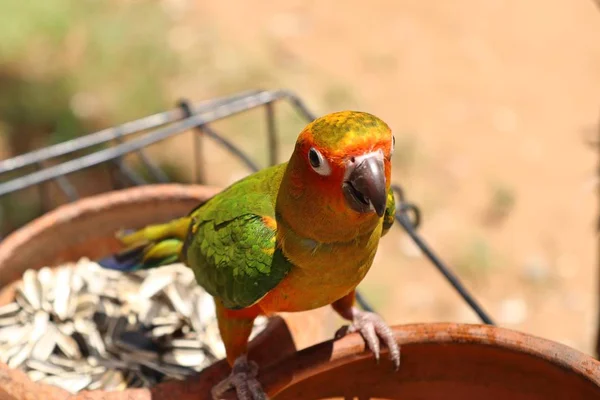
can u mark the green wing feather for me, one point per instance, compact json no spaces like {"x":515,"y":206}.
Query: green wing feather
{"x":231,"y":245}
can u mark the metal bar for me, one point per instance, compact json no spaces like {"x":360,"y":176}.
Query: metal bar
{"x":84,"y":142}
{"x":118,"y":181}
{"x":296,"y":102}
{"x":240,"y":104}
{"x":106,"y":135}
{"x":44,"y":199}
{"x":130,"y":174}
{"x":102,"y":156}
{"x":125,"y":170}
{"x":197,"y":138}
{"x":155,"y":170}
{"x":63,"y":184}
{"x":68,"y":189}
{"x":231,"y":147}
{"x":252,"y":98}
{"x":272,"y":134}
{"x":362,"y":302}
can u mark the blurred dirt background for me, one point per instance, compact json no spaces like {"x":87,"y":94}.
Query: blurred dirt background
{"x":493,"y":103}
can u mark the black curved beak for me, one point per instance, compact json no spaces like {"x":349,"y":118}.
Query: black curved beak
{"x":364,"y":189}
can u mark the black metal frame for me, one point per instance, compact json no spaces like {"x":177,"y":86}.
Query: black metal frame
{"x":171,"y":123}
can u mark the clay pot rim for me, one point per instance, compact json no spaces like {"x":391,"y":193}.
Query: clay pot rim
{"x":94,"y":204}
{"x":310,"y":361}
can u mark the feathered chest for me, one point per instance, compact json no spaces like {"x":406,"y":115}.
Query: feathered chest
{"x":337,"y":263}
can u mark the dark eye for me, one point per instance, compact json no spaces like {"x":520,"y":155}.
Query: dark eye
{"x":314,"y":158}
{"x":318,"y":162}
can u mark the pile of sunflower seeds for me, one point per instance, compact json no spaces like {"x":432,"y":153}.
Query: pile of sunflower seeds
{"x":82,"y":327}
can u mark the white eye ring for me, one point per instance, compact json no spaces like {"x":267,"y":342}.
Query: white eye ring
{"x":393,"y":145}
{"x":318,"y":162}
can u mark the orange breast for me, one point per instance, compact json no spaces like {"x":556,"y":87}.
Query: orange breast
{"x":321,"y":274}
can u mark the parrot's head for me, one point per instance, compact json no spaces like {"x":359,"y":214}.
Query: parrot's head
{"x":341,"y":165}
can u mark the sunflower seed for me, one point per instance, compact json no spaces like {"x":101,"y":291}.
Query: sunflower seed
{"x":68,"y":345}
{"x":45,"y":367}
{"x":8,"y":321}
{"x":109,"y":380}
{"x":72,"y":384}
{"x":114,"y":363}
{"x":186,"y":344}
{"x":46,"y":344}
{"x":62,"y":293}
{"x":95,"y":341}
{"x":77,"y":283}
{"x":154,"y":283}
{"x":35,"y":375}
{"x":79,"y":326}
{"x":185,"y":275}
{"x":115,"y":382}
{"x":175,"y":295}
{"x":89,"y":370}
{"x":41,"y":320}
{"x":32,"y":289}
{"x":65,"y":363}
{"x":213,"y":341}
{"x":85,"y":305}
{"x":16,"y":334}
{"x":149,"y":311}
{"x":9,"y":310}
{"x":96,"y":284}
{"x":185,"y":357}
{"x":7,"y":352}
{"x":46,"y":279}
{"x":21,"y":356}
{"x":165,"y":330}
{"x":171,"y":319}
{"x":22,"y":301}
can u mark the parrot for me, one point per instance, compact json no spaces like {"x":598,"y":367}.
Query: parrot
{"x":292,"y":237}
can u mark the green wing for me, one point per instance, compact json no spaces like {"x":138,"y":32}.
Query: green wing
{"x":231,"y":244}
{"x":390,"y":213}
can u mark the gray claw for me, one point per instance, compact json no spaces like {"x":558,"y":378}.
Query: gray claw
{"x":370,"y":326}
{"x":243,"y":380}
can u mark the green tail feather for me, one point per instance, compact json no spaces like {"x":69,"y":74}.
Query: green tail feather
{"x":150,"y":247}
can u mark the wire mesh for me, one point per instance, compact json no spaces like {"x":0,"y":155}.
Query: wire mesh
{"x":159,"y":127}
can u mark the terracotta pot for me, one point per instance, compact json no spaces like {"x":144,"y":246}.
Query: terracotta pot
{"x":86,"y":228}
{"x":439,"y":361}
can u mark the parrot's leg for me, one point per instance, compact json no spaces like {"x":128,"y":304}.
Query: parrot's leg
{"x":235,"y":327}
{"x":370,"y":326}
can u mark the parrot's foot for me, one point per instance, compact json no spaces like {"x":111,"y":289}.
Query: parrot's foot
{"x":243,"y":379}
{"x":370,"y":326}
